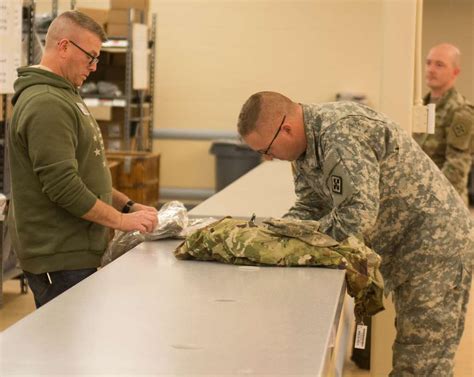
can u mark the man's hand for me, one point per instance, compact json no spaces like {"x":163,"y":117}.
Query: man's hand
{"x":141,"y":207}
{"x":142,"y":220}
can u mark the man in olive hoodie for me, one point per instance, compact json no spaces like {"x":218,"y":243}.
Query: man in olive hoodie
{"x":62,"y":197}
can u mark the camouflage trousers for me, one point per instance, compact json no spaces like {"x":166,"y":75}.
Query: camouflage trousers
{"x":430,"y":314}
{"x":463,"y":194}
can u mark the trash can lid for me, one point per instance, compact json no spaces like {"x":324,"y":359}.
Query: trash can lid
{"x":230,"y":147}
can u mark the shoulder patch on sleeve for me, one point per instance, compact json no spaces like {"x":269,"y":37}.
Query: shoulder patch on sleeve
{"x":336,"y":186}
{"x":459,"y":134}
{"x":338,"y":180}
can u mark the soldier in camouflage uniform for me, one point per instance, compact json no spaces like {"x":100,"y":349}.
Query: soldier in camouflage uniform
{"x":358,"y":173}
{"x":450,"y":145}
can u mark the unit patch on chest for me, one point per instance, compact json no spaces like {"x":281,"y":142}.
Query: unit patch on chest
{"x":336,"y":184}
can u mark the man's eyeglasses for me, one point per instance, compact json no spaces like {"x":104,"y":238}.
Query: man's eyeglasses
{"x":94,"y":59}
{"x":265,"y":151}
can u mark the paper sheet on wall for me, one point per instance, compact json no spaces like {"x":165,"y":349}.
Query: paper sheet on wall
{"x":10,"y":43}
{"x":140,"y":56}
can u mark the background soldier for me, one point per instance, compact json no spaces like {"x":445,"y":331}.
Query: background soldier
{"x":450,"y":146}
{"x":358,"y":173}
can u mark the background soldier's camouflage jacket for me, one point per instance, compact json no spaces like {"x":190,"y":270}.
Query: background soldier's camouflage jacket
{"x":450,"y":146}
{"x":362,"y":175}
{"x":290,"y":243}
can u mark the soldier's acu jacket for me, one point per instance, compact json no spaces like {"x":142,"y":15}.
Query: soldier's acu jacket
{"x":450,"y":145}
{"x":290,"y":242}
{"x":363,"y":175}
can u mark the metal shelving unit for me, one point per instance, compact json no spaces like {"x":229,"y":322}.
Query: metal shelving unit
{"x":8,"y":262}
{"x":131,"y":98}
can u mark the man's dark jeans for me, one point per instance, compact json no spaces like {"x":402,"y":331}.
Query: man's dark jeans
{"x":44,"y":290}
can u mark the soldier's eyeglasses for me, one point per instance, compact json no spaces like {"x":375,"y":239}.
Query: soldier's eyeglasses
{"x":265,"y":151}
{"x":94,"y":59}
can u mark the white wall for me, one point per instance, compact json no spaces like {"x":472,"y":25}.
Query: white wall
{"x":212,"y":55}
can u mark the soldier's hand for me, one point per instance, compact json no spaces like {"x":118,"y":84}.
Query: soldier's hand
{"x":144,"y":221}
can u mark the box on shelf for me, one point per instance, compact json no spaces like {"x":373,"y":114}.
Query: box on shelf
{"x":98,"y":15}
{"x":139,"y":174}
{"x":148,"y":193}
{"x":125,"y":4}
{"x":110,"y":116}
{"x":121,"y":16}
{"x":138,"y":167}
{"x":118,"y":113}
{"x":117,"y":30}
{"x":101,"y":112}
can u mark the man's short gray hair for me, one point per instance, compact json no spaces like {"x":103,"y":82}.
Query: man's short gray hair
{"x":59,"y":27}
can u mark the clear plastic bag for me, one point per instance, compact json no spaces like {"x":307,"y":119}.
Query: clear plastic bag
{"x":196,"y":224}
{"x":172,"y":219}
{"x":120,"y":244}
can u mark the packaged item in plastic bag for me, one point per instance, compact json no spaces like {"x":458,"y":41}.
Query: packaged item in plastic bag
{"x":196,"y":224}
{"x":120,"y":244}
{"x":172,"y":219}
{"x":108,"y":89}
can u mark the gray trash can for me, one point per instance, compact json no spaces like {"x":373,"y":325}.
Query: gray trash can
{"x":233,"y":159}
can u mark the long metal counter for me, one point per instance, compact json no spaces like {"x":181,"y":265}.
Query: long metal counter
{"x":148,"y":313}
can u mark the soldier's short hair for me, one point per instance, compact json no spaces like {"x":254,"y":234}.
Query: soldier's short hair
{"x":249,"y":114}
{"x":261,"y":107}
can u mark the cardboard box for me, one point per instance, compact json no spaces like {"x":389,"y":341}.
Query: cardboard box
{"x":117,"y":30}
{"x":137,"y":167}
{"x":147,"y":193}
{"x":101,"y":112}
{"x":118,"y":113}
{"x":120,"y":16}
{"x":138,"y":175}
{"x":125,"y":4}
{"x":98,"y":15}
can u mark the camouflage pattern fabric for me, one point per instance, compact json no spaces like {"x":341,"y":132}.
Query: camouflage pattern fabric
{"x":290,"y":243}
{"x":450,"y":145}
{"x":363,"y":175}
{"x":430,"y":321}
